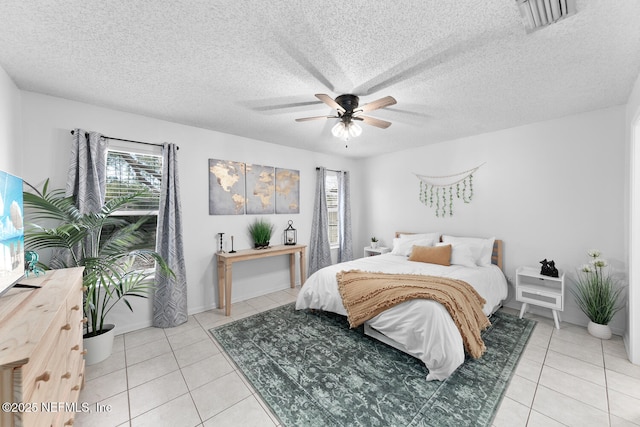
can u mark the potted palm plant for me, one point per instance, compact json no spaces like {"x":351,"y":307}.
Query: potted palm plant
{"x":260,"y":231}
{"x":597,"y":295}
{"x":106,"y":246}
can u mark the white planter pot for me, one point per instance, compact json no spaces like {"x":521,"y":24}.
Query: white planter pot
{"x":99,"y":347}
{"x":599,"y":331}
{"x":374,"y":245}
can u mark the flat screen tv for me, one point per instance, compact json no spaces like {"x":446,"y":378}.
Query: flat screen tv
{"x":11,"y":231}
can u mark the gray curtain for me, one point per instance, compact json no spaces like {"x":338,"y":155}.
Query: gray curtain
{"x":319,"y":249}
{"x":170,"y":296}
{"x":86,"y":179}
{"x":345,"y":251}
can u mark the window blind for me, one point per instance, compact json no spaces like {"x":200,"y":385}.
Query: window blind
{"x":131,"y":172}
{"x":331,"y":192}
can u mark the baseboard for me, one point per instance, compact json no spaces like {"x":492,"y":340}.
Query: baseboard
{"x":133,"y":327}
{"x":565,"y":316}
{"x":242,"y":297}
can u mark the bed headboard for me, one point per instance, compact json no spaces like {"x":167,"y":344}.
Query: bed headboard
{"x":496,"y":255}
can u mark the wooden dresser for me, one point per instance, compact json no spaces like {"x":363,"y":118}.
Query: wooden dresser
{"x":41,"y":354}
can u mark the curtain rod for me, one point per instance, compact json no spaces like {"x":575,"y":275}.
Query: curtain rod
{"x":130,"y":140}
{"x":331,"y":170}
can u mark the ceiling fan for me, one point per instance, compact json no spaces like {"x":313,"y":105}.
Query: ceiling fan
{"x":348,"y":112}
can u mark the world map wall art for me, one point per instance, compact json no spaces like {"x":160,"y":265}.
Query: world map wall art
{"x":236,"y":188}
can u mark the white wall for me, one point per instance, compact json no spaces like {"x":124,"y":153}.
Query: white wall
{"x":549,"y":190}
{"x":10,"y":130}
{"x":632,"y":223}
{"x":48,"y":121}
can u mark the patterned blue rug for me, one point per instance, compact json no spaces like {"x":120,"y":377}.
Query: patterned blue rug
{"x":312,"y":370}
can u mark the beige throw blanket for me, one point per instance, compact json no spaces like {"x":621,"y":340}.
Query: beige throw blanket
{"x":365,"y":295}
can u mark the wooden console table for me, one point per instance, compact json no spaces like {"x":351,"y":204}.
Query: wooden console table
{"x":226,"y":260}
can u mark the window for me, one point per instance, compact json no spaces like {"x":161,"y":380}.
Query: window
{"x":331,"y":193}
{"x":128,"y":172}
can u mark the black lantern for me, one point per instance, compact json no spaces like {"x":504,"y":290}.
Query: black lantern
{"x":290,"y":234}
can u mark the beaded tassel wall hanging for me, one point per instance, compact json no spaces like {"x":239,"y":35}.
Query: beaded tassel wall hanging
{"x":439,"y":191}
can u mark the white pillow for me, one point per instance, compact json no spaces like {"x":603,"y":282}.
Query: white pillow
{"x":402,"y":246}
{"x":481,"y":249}
{"x":434,"y":236}
{"x":460,"y":254}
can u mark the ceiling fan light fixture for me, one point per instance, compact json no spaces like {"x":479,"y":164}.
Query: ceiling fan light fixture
{"x":354,"y":130}
{"x":345,"y":130}
{"x":348,"y":112}
{"x":339,"y":130}
{"x":540,"y":13}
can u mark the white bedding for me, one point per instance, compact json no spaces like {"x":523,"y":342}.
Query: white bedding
{"x":423,"y":327}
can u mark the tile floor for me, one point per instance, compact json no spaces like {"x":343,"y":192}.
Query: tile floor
{"x":180,"y":377}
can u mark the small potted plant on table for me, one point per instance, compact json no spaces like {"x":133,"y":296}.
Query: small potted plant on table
{"x":260,"y":231}
{"x":374,"y":242}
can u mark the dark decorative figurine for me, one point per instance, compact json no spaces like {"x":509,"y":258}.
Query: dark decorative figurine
{"x":548,"y":268}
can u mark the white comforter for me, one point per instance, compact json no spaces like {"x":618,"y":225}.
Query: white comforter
{"x":423,"y":327}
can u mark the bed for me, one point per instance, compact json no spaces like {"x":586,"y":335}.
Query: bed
{"x":422,"y":328}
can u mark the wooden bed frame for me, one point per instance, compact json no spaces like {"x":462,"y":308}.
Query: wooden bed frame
{"x":496,"y":259}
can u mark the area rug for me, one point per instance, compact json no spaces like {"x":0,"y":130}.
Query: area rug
{"x":312,"y":370}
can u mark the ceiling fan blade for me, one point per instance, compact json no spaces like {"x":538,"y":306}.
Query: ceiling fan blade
{"x":306,"y":119}
{"x":330,"y":102}
{"x":383,"y":124}
{"x":375,"y":105}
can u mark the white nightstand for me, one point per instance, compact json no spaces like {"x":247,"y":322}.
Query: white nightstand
{"x":544,"y":291}
{"x":368,"y":251}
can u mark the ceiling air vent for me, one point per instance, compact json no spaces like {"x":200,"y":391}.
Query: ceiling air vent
{"x":540,"y":13}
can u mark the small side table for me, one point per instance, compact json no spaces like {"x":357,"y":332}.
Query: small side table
{"x":369,"y":251}
{"x":543,"y":291}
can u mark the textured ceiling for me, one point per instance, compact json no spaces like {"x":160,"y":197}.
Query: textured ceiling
{"x":250,"y":68}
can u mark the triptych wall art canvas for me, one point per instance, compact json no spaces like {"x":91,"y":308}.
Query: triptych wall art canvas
{"x":236,"y":188}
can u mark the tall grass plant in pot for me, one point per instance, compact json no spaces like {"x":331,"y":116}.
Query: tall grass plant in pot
{"x":260,"y":231}
{"x":107,"y":246}
{"x":597,"y":295}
